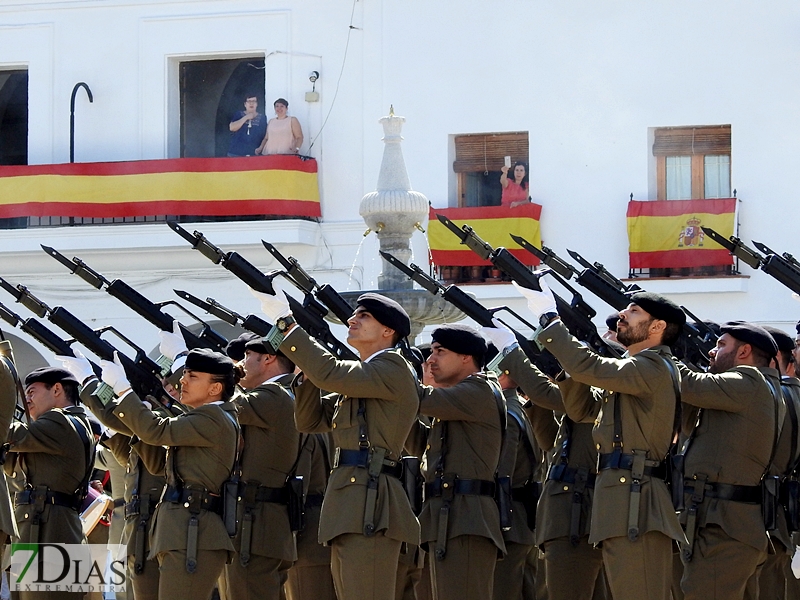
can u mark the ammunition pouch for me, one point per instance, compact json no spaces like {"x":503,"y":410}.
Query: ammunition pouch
{"x":770,"y":491}
{"x":528,"y":495}
{"x":790,"y":499}
{"x":504,"y":499}
{"x":413,"y":482}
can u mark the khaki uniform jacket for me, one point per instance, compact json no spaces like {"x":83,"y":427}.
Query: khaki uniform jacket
{"x":473,"y":450}
{"x":8,"y":403}
{"x":783,"y":461}
{"x":144,"y":464}
{"x":271,"y":444}
{"x":554,"y":513}
{"x":643,"y":386}
{"x":519,"y":460}
{"x":314,"y":465}
{"x":203,"y":444}
{"x":389,"y":389}
{"x":732,"y":444}
{"x":52,"y":455}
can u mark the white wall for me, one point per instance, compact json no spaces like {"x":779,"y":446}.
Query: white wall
{"x":585,"y":79}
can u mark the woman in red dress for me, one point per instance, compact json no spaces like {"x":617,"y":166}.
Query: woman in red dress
{"x":515,"y":192}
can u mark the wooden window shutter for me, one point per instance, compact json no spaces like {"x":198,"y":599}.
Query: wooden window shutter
{"x":485,"y":152}
{"x":687,"y":141}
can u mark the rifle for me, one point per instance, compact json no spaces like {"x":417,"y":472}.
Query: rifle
{"x":251,"y":322}
{"x":577,"y":314}
{"x":150,"y":311}
{"x":476,"y":311}
{"x":310,"y":315}
{"x":785,"y":268}
{"x":143,"y":373}
{"x":304,"y":282}
{"x":696,"y":339}
{"x":499,"y":257}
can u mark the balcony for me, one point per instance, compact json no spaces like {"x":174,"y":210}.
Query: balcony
{"x":151,"y":191}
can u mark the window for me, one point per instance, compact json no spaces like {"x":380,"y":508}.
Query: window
{"x":13,"y":127}
{"x":693,"y":162}
{"x":478,"y":160}
{"x":211,"y":92}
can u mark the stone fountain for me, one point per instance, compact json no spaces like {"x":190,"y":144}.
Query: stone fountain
{"x":393,"y":211}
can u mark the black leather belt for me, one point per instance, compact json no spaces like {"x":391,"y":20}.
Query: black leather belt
{"x":134,"y":507}
{"x":466,"y":487}
{"x":750,"y":494}
{"x":314,"y":500}
{"x":360,"y":458}
{"x":568,"y":474}
{"x":617,"y":460}
{"x":55,"y":498}
{"x":195,"y":499}
{"x":264,"y":494}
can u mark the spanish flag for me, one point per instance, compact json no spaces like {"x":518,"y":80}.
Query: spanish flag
{"x":494,"y":224}
{"x":284,"y":185}
{"x":667,"y":233}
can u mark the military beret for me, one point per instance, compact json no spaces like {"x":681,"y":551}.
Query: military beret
{"x":387,"y":312}
{"x":208,"y":361}
{"x":783,"y":340}
{"x":611,"y":321}
{"x":461,"y":339}
{"x":752,"y":334}
{"x":235,"y":348}
{"x":50,"y":376}
{"x":659,"y":307}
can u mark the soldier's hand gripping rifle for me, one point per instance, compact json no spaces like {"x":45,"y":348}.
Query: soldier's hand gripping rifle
{"x":250,"y":322}
{"x":696,"y":339}
{"x":476,"y":311}
{"x":577,"y":315}
{"x":304,"y":282}
{"x":310,"y":315}
{"x":785,"y":268}
{"x":143,"y":373}
{"x":150,"y":311}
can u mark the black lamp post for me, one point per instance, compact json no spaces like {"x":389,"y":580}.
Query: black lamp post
{"x":72,"y":117}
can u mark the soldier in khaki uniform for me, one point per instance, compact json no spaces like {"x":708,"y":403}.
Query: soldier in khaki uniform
{"x":265,"y":545}
{"x":310,"y":576}
{"x":563,"y":518}
{"x":144,"y":476}
{"x":460,"y":521}
{"x":634,"y":407}
{"x":8,"y":403}
{"x":726,"y":457}
{"x":366,"y":515}
{"x":776,"y":571}
{"x":188,"y":536}
{"x":57,"y":456}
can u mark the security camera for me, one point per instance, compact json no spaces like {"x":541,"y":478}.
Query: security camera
{"x":313,"y":76}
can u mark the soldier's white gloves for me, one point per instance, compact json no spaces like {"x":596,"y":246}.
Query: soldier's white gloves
{"x":500,"y":335}
{"x":274,"y":307}
{"x":78,"y":365}
{"x":538,"y":302}
{"x":114,"y":375}
{"x":172,"y":343}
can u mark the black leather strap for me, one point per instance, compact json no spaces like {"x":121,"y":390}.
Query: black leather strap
{"x":750,"y":494}
{"x":55,"y":498}
{"x":466,"y":487}
{"x":360,"y":458}
{"x":562,"y":472}
{"x":617,"y":460}
{"x":196,"y":499}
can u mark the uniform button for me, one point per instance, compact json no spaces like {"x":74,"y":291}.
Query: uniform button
{"x":622,"y":480}
{"x":14,"y":475}
{"x":293,"y":348}
{"x":598,"y":446}
{"x":428,"y":447}
{"x":445,"y":485}
{"x":566,"y":488}
{"x":122,"y":415}
{"x":549,"y":340}
{"x":506,"y":371}
{"x":334,"y":426}
{"x":185,"y":505}
{"x":352,"y":480}
{"x":26,"y":515}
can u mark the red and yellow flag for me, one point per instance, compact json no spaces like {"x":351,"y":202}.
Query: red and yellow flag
{"x":493,"y":224}
{"x":667,"y":233}
{"x":284,"y":185}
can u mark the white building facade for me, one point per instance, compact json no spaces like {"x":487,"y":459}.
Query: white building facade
{"x":588,"y":82}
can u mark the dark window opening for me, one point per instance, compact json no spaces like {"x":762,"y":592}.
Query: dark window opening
{"x":13,"y":128}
